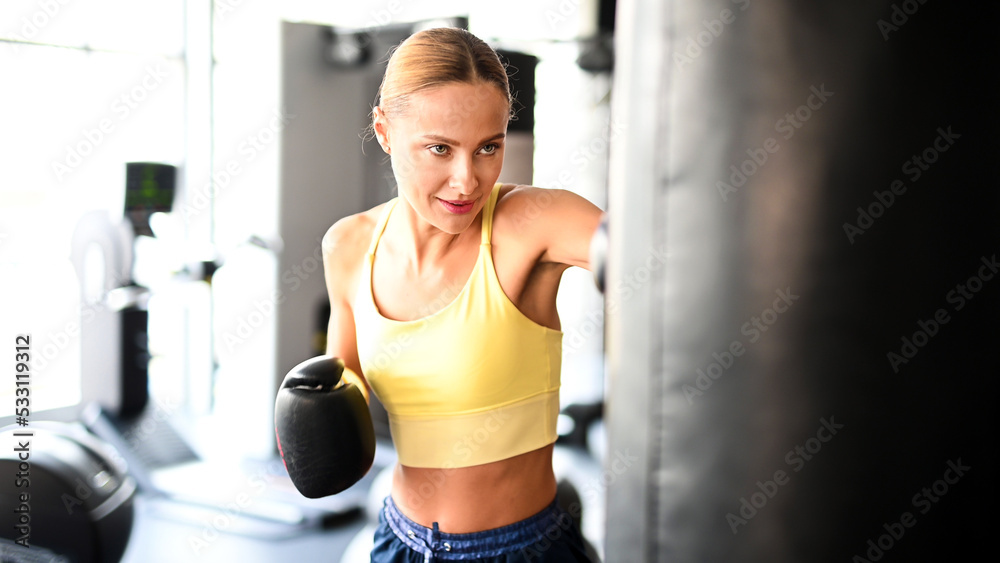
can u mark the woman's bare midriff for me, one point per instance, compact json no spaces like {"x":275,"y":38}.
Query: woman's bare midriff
{"x":477,"y":498}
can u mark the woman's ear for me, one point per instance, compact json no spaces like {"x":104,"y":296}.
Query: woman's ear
{"x":381,"y":125}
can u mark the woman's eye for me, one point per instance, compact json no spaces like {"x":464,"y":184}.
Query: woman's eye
{"x":439,"y":149}
{"x":491,"y":148}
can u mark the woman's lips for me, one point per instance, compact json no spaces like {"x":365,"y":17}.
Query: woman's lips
{"x":458,"y":207}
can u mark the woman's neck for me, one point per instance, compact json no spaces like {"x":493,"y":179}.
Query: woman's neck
{"x":422,"y":244}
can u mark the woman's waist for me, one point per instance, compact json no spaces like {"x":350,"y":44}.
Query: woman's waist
{"x":476,"y":498}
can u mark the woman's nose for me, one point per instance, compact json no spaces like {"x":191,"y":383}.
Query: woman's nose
{"x":463,"y":175}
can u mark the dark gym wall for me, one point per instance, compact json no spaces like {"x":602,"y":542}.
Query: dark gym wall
{"x":797,"y":379}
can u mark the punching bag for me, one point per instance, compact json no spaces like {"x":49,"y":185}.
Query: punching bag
{"x":802,"y":282}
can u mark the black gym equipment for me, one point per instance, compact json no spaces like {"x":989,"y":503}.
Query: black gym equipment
{"x":66,"y":496}
{"x":802,"y":281}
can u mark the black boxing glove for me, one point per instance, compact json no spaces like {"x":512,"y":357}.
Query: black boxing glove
{"x":324,"y":429}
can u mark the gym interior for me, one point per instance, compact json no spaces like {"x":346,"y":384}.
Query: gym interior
{"x":782,"y":354}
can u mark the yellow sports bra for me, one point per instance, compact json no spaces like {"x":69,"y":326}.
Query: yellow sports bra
{"x":473,"y":383}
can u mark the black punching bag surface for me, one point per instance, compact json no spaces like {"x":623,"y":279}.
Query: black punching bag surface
{"x":803,"y":281}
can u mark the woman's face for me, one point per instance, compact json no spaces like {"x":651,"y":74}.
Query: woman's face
{"x":447,"y":150}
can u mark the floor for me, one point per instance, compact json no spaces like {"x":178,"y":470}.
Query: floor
{"x":166,"y":531}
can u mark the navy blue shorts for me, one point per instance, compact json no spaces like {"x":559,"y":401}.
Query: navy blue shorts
{"x":550,"y":535}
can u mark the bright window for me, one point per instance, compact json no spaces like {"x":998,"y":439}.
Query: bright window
{"x":88,"y":86}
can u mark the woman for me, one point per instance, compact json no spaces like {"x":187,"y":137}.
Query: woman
{"x":444,"y":303}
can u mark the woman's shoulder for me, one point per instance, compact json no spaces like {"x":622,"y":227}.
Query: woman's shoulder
{"x":512,"y":194}
{"x":553,"y":223}
{"x":347,"y":240}
{"x":519,"y":210}
{"x":522,"y":205}
{"x":514,"y":198}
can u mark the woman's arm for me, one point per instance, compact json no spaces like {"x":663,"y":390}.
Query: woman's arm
{"x":340,"y":267}
{"x":561,"y":222}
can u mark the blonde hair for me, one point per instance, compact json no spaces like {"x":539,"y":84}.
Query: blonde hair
{"x":438,"y":56}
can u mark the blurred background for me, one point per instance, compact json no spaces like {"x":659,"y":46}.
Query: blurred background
{"x":168,"y":171}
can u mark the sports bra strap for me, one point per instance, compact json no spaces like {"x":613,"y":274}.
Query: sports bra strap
{"x":488,"y":209}
{"x":380,"y":226}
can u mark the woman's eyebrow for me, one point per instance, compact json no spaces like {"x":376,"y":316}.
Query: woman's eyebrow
{"x":447,"y":141}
